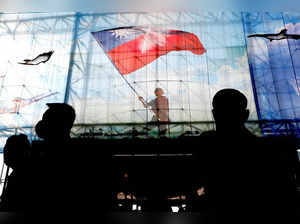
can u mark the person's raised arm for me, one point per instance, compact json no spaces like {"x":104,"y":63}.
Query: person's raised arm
{"x":143,"y":101}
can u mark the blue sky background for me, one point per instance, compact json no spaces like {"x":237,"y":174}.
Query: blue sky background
{"x":145,"y":5}
{"x":276,"y":67}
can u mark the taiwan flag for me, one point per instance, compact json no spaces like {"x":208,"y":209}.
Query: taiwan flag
{"x":131,"y":48}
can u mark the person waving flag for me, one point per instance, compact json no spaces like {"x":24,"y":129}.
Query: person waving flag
{"x":131,"y":48}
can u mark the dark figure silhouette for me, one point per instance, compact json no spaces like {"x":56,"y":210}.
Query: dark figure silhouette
{"x":41,"y":58}
{"x":53,"y":164}
{"x":66,"y":172}
{"x":230,"y":113}
{"x":56,"y":123}
{"x":277,"y":36}
{"x":248,"y":176}
{"x":16,"y":152}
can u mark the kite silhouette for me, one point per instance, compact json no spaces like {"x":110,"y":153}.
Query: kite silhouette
{"x":277,"y":36}
{"x":41,"y":58}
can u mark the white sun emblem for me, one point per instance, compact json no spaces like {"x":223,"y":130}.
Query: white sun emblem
{"x":152,"y":39}
{"x":122,"y":33}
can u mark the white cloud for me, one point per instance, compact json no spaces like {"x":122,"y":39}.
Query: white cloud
{"x":237,"y":77}
{"x":291,"y":28}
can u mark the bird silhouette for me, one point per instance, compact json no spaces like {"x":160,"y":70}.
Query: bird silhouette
{"x":41,"y":58}
{"x":277,"y":36}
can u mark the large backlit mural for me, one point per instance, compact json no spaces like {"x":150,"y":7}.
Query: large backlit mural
{"x":194,"y":56}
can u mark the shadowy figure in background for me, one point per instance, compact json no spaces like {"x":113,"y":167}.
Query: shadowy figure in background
{"x":233,"y":145}
{"x":229,"y":142}
{"x":16,"y":152}
{"x":56,"y":123}
{"x":230,"y":114}
{"x":53,"y":168}
{"x":247,"y":174}
{"x":66,"y":174}
{"x":229,"y":179}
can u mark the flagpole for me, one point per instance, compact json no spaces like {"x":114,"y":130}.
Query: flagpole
{"x":133,"y":89}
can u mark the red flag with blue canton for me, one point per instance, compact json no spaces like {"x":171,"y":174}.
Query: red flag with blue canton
{"x":131,"y":48}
